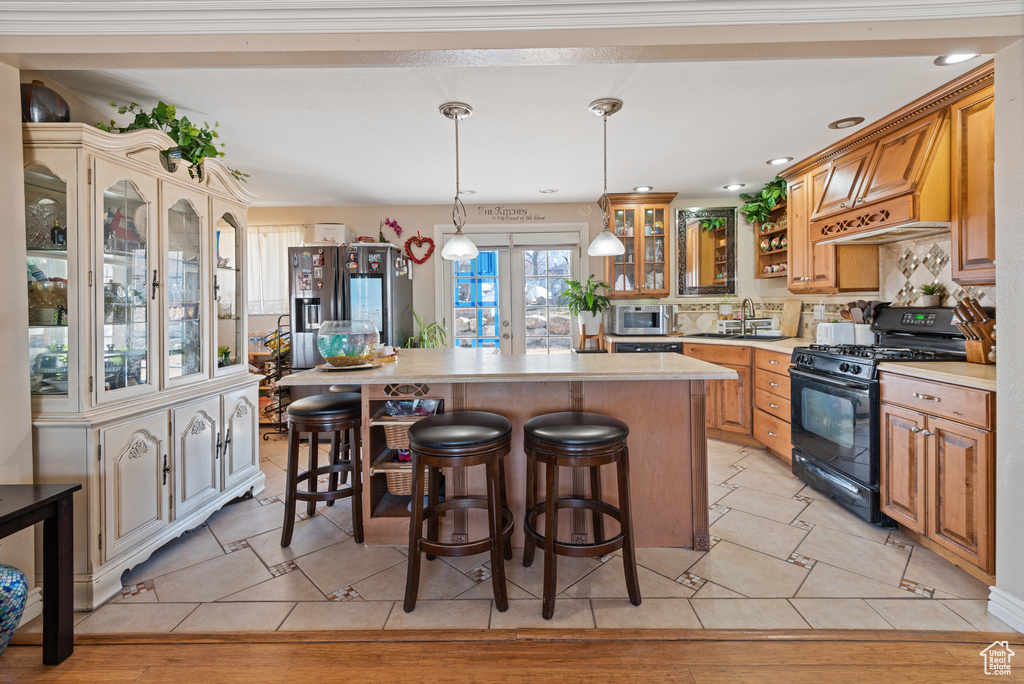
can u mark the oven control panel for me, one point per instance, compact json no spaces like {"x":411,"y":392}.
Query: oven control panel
{"x":918,"y":320}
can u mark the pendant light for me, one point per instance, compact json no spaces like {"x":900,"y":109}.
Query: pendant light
{"x":605,"y":244}
{"x":459,"y":246}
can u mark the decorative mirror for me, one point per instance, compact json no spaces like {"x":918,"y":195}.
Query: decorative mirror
{"x":707,"y":251}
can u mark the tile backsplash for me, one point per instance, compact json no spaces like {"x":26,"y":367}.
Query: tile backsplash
{"x":905,"y":266}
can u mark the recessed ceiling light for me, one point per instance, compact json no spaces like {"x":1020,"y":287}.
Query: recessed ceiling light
{"x":956,"y":58}
{"x":848,"y":122}
{"x":734,"y":186}
{"x":467,"y":192}
{"x":548,"y":191}
{"x":643,"y":188}
{"x":779,"y":160}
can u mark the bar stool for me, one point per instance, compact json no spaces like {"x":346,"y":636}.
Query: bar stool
{"x":577,"y":439}
{"x":334,"y":413}
{"x":459,"y":440}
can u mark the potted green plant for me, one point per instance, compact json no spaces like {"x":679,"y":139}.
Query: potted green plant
{"x":931,"y":294}
{"x":758,"y":207}
{"x":192,"y":143}
{"x":726,"y":306}
{"x":430,"y":336}
{"x":583,"y":301}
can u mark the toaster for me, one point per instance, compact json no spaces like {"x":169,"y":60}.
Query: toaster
{"x":835,"y":333}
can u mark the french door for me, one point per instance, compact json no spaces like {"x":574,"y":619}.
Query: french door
{"x":509,"y":298}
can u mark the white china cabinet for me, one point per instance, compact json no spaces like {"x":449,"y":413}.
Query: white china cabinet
{"x":139,"y":380}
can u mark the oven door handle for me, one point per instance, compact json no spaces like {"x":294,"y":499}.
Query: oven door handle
{"x":825,"y":380}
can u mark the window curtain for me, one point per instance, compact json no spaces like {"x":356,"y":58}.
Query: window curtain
{"x":268,"y":267}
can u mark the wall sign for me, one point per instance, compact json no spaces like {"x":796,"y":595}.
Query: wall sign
{"x":503,"y":214}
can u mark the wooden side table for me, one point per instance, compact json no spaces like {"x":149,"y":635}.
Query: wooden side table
{"x":23,"y":505}
{"x":598,"y":338}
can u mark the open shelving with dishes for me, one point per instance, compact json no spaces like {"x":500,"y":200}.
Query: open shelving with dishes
{"x":771,"y":258}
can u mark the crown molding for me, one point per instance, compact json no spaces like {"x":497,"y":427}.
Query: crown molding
{"x":228,"y":17}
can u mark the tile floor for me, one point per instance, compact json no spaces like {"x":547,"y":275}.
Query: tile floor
{"x":782,"y":558}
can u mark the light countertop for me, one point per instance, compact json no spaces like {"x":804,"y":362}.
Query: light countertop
{"x":976,"y":375}
{"x":768,"y":343}
{"x":483,"y":365}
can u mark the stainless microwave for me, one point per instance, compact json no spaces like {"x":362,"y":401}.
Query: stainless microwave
{"x":654,"y":319}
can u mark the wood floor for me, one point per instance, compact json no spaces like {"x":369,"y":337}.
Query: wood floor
{"x":519,"y":655}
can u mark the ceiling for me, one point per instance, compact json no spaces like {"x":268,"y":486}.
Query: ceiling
{"x":373,"y":136}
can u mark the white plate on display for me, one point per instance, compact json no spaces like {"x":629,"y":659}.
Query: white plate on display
{"x":361,"y":366}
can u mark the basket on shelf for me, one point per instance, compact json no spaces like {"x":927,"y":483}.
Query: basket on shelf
{"x":397,"y":437}
{"x":400,"y":482}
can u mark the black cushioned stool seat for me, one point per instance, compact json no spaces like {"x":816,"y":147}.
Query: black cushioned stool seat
{"x":577,"y":439}
{"x":459,"y":440}
{"x":339,"y":415}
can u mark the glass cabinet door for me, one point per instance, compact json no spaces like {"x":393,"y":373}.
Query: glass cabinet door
{"x":623,"y":276}
{"x":126,"y":327}
{"x":227,"y":286}
{"x":654,"y":248}
{"x":183,"y":293}
{"x":46,"y":240}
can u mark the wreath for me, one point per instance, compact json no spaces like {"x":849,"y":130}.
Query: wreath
{"x":419,"y":241}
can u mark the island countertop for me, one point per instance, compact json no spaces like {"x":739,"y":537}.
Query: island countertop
{"x":484,"y":365}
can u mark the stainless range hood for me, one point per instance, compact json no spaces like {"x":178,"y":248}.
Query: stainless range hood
{"x":894,"y":233}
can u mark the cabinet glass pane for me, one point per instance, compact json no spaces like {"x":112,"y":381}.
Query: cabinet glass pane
{"x":654,"y":249}
{"x":125,"y":285}
{"x":47,"y":273}
{"x":184,"y":292}
{"x":659,"y":221}
{"x":228,"y":286}
{"x":654,"y":276}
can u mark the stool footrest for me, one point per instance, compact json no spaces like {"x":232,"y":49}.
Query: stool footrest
{"x":339,"y":467}
{"x":587,"y":550}
{"x":343,"y":492}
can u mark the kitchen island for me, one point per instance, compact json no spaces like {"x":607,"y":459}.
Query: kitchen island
{"x":660,"y":397}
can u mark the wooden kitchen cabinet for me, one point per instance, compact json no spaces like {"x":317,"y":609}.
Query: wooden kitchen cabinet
{"x":938,"y":464}
{"x":772,"y":410}
{"x":972,"y":177}
{"x":642,"y":222}
{"x":823,"y":268}
{"x":729,"y":402}
{"x":844,"y":178}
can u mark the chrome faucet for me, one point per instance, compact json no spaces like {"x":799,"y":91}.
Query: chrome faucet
{"x":743,"y":313}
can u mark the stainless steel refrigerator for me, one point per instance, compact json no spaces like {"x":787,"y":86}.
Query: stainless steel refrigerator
{"x":376,"y":285}
{"x":315,"y":297}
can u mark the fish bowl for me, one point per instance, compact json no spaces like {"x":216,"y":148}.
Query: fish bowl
{"x":347,"y":343}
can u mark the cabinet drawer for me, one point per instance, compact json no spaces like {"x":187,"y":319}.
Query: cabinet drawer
{"x":718,"y":353}
{"x":769,"y":403}
{"x":775,"y":383}
{"x":776,"y":362}
{"x":774,"y":434}
{"x":962,"y":404}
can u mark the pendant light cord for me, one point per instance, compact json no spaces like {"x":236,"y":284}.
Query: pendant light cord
{"x":604,"y":118}
{"x":459,"y":209}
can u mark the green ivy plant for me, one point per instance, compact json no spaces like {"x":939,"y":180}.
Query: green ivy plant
{"x":758,"y":206}
{"x":432,"y":336}
{"x":192,"y":142}
{"x":584,"y":297}
{"x":712,"y":223}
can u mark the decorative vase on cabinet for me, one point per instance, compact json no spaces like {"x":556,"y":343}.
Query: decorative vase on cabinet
{"x":127,"y":392}
{"x":13,"y":594}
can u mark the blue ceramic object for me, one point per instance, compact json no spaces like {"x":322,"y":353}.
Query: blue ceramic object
{"x":13,"y":594}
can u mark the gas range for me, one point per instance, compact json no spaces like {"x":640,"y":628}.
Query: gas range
{"x":860,"y":361}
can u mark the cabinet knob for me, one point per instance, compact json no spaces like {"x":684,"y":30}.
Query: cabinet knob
{"x":773,"y":405}
{"x":926,"y":397}
{"x":915,"y":429}
{"x":773,"y":384}
{"x":858,"y":200}
{"x":927,"y":433}
{"x":771,"y":433}
{"x":773,"y":361}
{"x":842,"y":205}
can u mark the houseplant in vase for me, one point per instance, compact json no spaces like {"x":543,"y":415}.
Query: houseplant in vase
{"x":432,"y":336}
{"x":931,"y":294}
{"x":725,"y":307}
{"x":585,"y":303}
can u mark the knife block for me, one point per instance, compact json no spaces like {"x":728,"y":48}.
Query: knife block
{"x":977,"y":351}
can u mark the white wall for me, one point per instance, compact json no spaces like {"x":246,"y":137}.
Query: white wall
{"x":1008,"y":599}
{"x":15,"y":406}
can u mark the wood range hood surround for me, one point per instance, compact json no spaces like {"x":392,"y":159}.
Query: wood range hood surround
{"x":891,"y":181}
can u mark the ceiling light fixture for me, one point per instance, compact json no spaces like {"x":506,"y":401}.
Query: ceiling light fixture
{"x":956,"y":58}
{"x":605,"y":244}
{"x":643,"y":188}
{"x":459,"y":246}
{"x":734,"y":186}
{"x":779,"y":160}
{"x":548,"y":191}
{"x":848,"y":122}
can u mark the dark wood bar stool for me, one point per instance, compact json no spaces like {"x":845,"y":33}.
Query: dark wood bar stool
{"x":576,"y":439}
{"x":459,"y":440}
{"x":339,"y":415}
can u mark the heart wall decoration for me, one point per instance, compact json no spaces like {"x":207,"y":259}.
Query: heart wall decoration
{"x":419,"y":241}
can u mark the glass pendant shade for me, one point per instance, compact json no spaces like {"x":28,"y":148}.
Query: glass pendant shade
{"x":460,"y":247}
{"x":606,"y":244}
